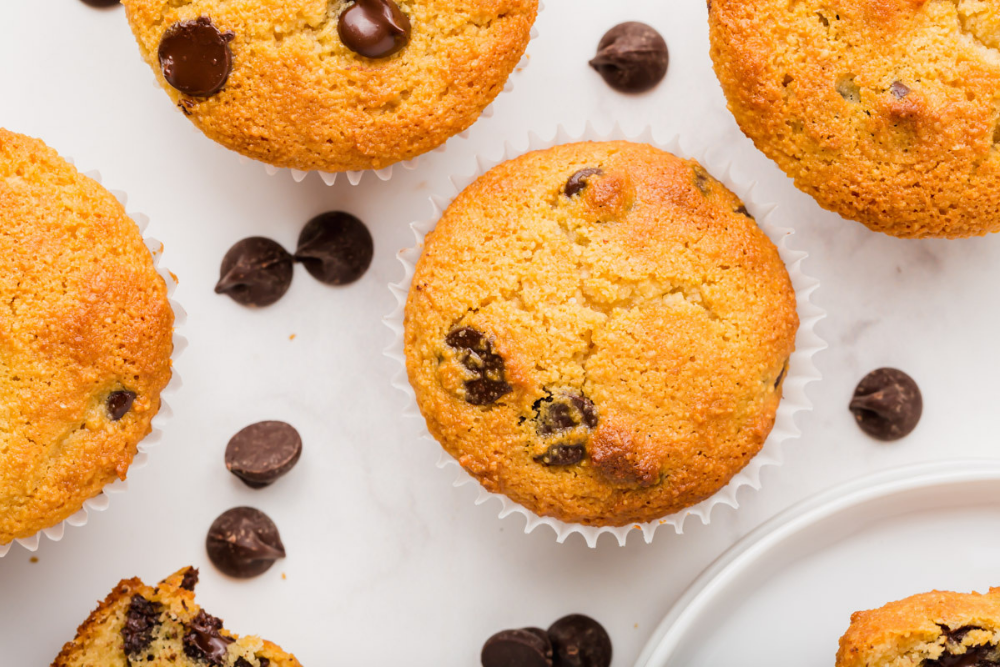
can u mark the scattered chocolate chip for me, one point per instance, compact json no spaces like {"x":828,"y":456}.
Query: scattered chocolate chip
{"x":195,"y":57}
{"x":255,"y":272}
{"x":529,"y":647}
{"x":374,"y":28}
{"x":887,"y":404}
{"x":336,"y":248}
{"x":243,"y":542}
{"x":578,"y":181}
{"x":899,"y":90}
{"x":489,"y":383}
{"x":985,"y":655}
{"x":580,"y":641}
{"x":190,"y":579}
{"x":119,"y":403}
{"x":262,"y":452}
{"x":562,"y":455}
{"x":203,"y":641}
{"x":101,"y":4}
{"x":563,"y":411}
{"x":141,"y":619}
{"x":632,"y":57}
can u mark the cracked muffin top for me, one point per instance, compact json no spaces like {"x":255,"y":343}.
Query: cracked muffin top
{"x":885,"y":111}
{"x":332,"y":85}
{"x":600,"y":332}
{"x":937,"y":629}
{"x":162,"y":625}
{"x":85,"y":338}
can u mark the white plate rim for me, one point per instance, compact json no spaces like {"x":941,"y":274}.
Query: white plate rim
{"x":668,"y":635}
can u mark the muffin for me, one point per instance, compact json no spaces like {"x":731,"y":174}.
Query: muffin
{"x":938,"y":629}
{"x":142,"y":625}
{"x":600,"y":332}
{"x":332,"y":85}
{"x":86,"y":337}
{"x":885,"y":112}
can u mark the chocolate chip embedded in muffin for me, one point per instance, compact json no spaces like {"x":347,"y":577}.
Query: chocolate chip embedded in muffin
{"x":336,"y":248}
{"x":527,"y":647}
{"x":562,"y":455}
{"x":263,"y":452}
{"x":190,"y":579}
{"x":578,"y":181}
{"x":203,"y":642}
{"x":488,"y":383}
{"x":243,"y":542}
{"x":562,"y":411}
{"x":141,"y":619}
{"x":119,"y":403}
{"x":580,"y":641}
{"x":374,"y":28}
{"x":195,"y":57}
{"x":632,"y":57}
{"x":255,"y":272}
{"x":887,"y":404}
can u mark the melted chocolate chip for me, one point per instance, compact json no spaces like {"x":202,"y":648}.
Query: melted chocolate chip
{"x":899,"y":90}
{"x":632,"y":57}
{"x":958,"y":634}
{"x":529,"y":647}
{"x":195,"y":57}
{"x":255,"y":272}
{"x":578,"y":181}
{"x":887,"y":404}
{"x":203,"y":641}
{"x":190,"y":579}
{"x":101,"y":4}
{"x":562,"y":455}
{"x":141,"y":619}
{"x":489,"y":383}
{"x":119,"y":403}
{"x":262,"y":452}
{"x":564,"y":411}
{"x":580,"y":641}
{"x":985,"y":655}
{"x":243,"y":542}
{"x":336,"y":248}
{"x":374,"y":28}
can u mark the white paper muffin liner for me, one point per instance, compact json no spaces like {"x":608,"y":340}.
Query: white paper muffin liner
{"x":801,"y":369}
{"x":102,"y":501}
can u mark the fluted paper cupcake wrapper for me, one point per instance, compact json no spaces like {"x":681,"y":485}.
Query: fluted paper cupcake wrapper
{"x":801,"y":370}
{"x":102,"y":501}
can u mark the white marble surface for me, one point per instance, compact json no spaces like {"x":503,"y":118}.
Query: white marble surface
{"x":388,"y":564}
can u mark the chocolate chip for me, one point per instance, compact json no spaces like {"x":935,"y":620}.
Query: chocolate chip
{"x":580,"y":641}
{"x":336,"y":248}
{"x":958,"y":634}
{"x":262,"y":452}
{"x":702,"y":181}
{"x":203,"y":641}
{"x":529,"y":647}
{"x":101,"y":4}
{"x":632,"y":57}
{"x":119,"y":403}
{"x":899,"y":90}
{"x":255,"y":272}
{"x":244,"y":543}
{"x":562,"y":455}
{"x":578,"y":181}
{"x":742,"y":210}
{"x":781,"y":375}
{"x":190,"y":579}
{"x":141,"y":620}
{"x":985,"y":655}
{"x":488,"y":383}
{"x":563,"y":411}
{"x":243,"y":662}
{"x":195,"y":57}
{"x":887,"y":404}
{"x":374,"y":28}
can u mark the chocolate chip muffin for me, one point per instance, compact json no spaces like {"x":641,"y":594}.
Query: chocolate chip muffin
{"x":885,"y":112}
{"x":600,"y":332}
{"x":85,"y":338}
{"x":938,"y":629}
{"x":332,"y":85}
{"x":163,"y":625}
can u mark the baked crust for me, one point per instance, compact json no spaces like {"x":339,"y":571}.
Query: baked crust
{"x":885,"y":111}
{"x":297,"y":97}
{"x":651,"y":294}
{"x":84,"y":314}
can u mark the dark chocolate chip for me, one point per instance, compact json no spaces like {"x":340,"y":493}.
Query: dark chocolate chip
{"x":336,"y":248}
{"x":742,"y":210}
{"x":255,"y":272}
{"x":702,"y":181}
{"x":488,"y":383}
{"x":190,"y":579}
{"x":958,"y":634}
{"x":632,"y":57}
{"x":202,"y":641}
{"x":529,"y":647}
{"x":119,"y":403}
{"x":374,"y":28}
{"x":781,"y":375}
{"x":262,"y":452}
{"x":562,"y":455}
{"x":101,"y":4}
{"x":244,"y":543}
{"x":887,"y":404}
{"x":578,"y":181}
{"x":580,"y":641}
{"x":195,"y":57}
{"x":141,"y":619}
{"x":563,"y":411}
{"x":985,"y":655}
{"x":899,"y":90}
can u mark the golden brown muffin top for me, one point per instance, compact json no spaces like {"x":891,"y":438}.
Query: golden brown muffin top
{"x":924,"y":630}
{"x":608,"y":357}
{"x":298,"y":97}
{"x":885,"y":111}
{"x":163,"y":626}
{"x":85,"y":316}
